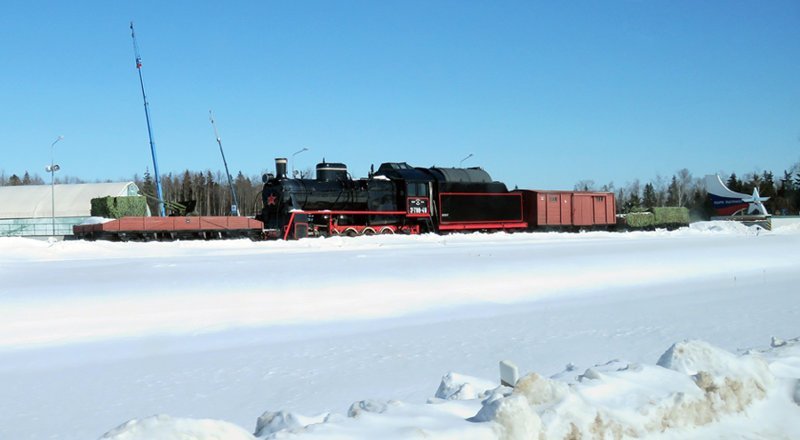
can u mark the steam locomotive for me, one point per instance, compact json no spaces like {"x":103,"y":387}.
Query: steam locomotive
{"x":399,"y":198}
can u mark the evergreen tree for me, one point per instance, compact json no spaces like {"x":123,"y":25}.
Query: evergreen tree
{"x":211,"y":194}
{"x":26,"y":179}
{"x":766,"y":188}
{"x":148,"y":189}
{"x":241,"y":185}
{"x":621,"y":204}
{"x":660,"y":185}
{"x":199,"y":185}
{"x":186,"y":187}
{"x":753,"y":181}
{"x":733,"y":183}
{"x":633,"y":202}
{"x":14,"y":180}
{"x":649,"y":199}
{"x":786,"y":182}
{"x":673,"y":193}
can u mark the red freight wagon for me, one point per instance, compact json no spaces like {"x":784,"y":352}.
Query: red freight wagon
{"x":593,"y":208}
{"x":568,"y":208}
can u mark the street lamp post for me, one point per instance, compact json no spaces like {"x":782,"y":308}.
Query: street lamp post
{"x":462,"y":160}
{"x":295,"y":154}
{"x":52,"y":170}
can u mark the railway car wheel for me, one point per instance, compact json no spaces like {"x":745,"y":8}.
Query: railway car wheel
{"x":387,"y":231}
{"x":351,"y":232}
{"x":368,"y":231}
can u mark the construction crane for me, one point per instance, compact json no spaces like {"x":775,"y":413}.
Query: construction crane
{"x":161,"y":210}
{"x":235,"y":205}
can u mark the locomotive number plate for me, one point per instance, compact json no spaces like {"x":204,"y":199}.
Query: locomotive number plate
{"x":418,"y":207}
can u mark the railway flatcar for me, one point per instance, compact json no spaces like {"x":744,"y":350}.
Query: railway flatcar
{"x":171,"y":228}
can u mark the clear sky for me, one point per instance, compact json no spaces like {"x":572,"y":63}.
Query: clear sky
{"x":543,"y":94}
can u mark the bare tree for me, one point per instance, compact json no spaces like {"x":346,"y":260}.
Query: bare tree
{"x":584,"y":185}
{"x":684,"y":188}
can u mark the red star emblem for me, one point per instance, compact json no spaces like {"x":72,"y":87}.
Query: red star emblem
{"x":271,"y":199}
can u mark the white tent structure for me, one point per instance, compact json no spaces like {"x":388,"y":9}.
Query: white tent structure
{"x":27,"y":209}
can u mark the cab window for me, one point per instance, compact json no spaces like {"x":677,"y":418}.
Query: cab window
{"x":417,"y":189}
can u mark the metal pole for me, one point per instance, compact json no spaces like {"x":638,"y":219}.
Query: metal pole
{"x":235,"y":207}
{"x":462,"y":160}
{"x":149,"y":128}
{"x":295,"y":154}
{"x":52,"y":182}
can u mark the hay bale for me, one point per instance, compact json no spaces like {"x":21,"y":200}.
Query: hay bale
{"x":118,"y":207}
{"x":671,"y":216}
{"x":640,"y":220}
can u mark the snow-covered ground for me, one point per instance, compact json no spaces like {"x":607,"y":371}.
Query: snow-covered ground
{"x":353,"y":336}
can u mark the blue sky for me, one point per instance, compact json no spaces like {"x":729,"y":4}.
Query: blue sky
{"x":543,"y":94}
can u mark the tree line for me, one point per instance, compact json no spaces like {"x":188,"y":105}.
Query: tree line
{"x":682,"y":189}
{"x":212,"y":196}
{"x":208,"y":191}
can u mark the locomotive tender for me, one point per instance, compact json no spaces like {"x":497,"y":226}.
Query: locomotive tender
{"x":398,"y":198}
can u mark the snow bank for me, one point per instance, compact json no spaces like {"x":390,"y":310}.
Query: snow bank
{"x":694,"y":384}
{"x":164,"y":427}
{"x":695,"y":390}
{"x":271,"y":422}
{"x":455,"y":386}
{"x":96,"y":220}
{"x":792,"y":228}
{"x":392,"y":420}
{"x":725,"y":227}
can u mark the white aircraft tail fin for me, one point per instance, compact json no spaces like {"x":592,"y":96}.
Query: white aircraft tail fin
{"x":727,"y":202}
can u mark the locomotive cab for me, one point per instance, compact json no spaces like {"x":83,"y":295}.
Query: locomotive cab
{"x":414,"y":189}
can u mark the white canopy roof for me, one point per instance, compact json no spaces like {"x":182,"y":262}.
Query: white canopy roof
{"x":33,"y":201}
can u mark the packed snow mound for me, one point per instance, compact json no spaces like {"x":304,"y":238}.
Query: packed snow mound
{"x":693,"y":385}
{"x":455,"y":386}
{"x":725,"y":227}
{"x":164,"y":427}
{"x":391,"y":420}
{"x":272,"y":422}
{"x":793,"y":228}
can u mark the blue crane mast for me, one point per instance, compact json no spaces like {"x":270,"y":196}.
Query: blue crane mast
{"x":161,"y":211}
{"x":235,"y":205}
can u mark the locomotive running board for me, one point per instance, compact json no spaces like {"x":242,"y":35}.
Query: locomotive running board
{"x":323,"y":212}
{"x":476,"y":226}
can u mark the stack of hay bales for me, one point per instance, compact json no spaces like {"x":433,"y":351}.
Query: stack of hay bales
{"x":118,"y":207}
{"x":661,"y":217}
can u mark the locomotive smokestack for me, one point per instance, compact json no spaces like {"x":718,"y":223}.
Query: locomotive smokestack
{"x":280,"y":167}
